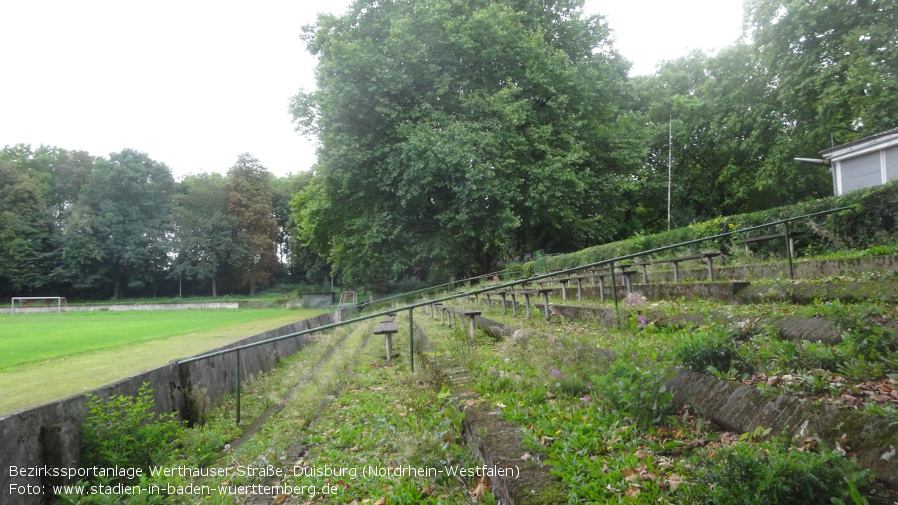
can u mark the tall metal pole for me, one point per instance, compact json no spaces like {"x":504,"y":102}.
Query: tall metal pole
{"x":669,"y":163}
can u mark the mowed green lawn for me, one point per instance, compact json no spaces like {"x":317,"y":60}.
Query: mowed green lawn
{"x":37,"y":337}
{"x":48,"y":357}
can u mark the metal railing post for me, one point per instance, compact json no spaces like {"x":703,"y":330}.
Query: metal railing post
{"x":789,"y":251}
{"x":613,"y":286}
{"x":411,"y":339}
{"x":237,"y":375}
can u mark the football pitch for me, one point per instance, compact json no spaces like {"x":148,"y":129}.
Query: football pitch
{"x":44,"y":357}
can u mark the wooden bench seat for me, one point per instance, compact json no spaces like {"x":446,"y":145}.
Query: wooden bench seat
{"x":707,"y":256}
{"x":387,"y":329}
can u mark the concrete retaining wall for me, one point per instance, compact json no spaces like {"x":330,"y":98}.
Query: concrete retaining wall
{"x":740,"y":408}
{"x":47,"y":435}
{"x":802,"y":269}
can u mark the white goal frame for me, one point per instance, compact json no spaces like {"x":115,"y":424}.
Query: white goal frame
{"x":60,"y":300}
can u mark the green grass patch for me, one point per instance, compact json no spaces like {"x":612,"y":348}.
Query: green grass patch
{"x":40,"y":337}
{"x":37,"y":382}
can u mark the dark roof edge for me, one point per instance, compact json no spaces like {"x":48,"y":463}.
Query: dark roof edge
{"x":859,"y":141}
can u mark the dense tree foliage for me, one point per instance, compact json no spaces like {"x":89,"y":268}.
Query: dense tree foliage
{"x":79,"y":226}
{"x":457,"y":133}
{"x":248,"y":198}
{"x":809,"y":74}
{"x":203,"y":229}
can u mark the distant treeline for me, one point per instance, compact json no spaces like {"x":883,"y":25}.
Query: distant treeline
{"x":77,"y":225}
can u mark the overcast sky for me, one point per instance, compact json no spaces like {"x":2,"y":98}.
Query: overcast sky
{"x":195,"y":83}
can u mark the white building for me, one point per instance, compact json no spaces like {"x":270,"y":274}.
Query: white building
{"x":867,"y":162}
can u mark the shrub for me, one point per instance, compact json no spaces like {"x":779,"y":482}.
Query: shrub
{"x":513,"y":271}
{"x":711,"y":348}
{"x":774,"y":472}
{"x":873,"y":222}
{"x":638,"y":391}
{"x":124,"y":431}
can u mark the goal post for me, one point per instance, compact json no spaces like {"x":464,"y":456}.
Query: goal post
{"x":60,"y":302}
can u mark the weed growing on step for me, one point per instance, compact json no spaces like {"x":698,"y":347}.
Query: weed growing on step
{"x":122,"y":431}
{"x":637,"y":391}
{"x":711,"y":349}
{"x":775,"y":472}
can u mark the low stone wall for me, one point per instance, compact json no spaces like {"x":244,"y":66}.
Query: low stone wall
{"x":721,"y":291}
{"x":48,"y":435}
{"x":742,"y":409}
{"x":118,"y":308}
{"x":802,"y":269}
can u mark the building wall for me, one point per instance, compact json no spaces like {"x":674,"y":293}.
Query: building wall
{"x":860,"y":172}
{"x":891,"y":156}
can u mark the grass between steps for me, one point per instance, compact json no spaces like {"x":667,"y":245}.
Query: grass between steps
{"x":385,"y":432}
{"x":605,"y":426}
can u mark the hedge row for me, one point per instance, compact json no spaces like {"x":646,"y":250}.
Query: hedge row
{"x":873,"y":221}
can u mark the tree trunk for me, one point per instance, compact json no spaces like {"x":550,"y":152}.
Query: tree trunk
{"x":214,"y":288}
{"x":116,"y":283}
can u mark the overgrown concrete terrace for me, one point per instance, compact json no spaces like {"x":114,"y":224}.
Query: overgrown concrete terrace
{"x":872,"y":436}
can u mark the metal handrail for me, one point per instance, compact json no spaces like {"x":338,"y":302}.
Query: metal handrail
{"x":450,"y":283}
{"x":453,"y":296}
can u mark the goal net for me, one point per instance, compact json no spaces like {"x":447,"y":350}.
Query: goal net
{"x":26,"y":304}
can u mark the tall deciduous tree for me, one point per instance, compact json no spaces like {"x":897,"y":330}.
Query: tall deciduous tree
{"x":203,"y":230}
{"x":25,"y":232}
{"x":248,"y":203}
{"x":834,"y":67}
{"x":456,"y":133}
{"x":117,"y":233}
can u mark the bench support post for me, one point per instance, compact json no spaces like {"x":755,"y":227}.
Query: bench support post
{"x":579,"y":290}
{"x":602,"y":289}
{"x":563,"y":291}
{"x":514,"y":305}
{"x":472,"y":329}
{"x":645,"y":279}
{"x":710,"y":269}
{"x":527,"y":304}
{"x":676,"y":272}
{"x":389,"y":341}
{"x":546,"y":305}
{"x":504,"y":304}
